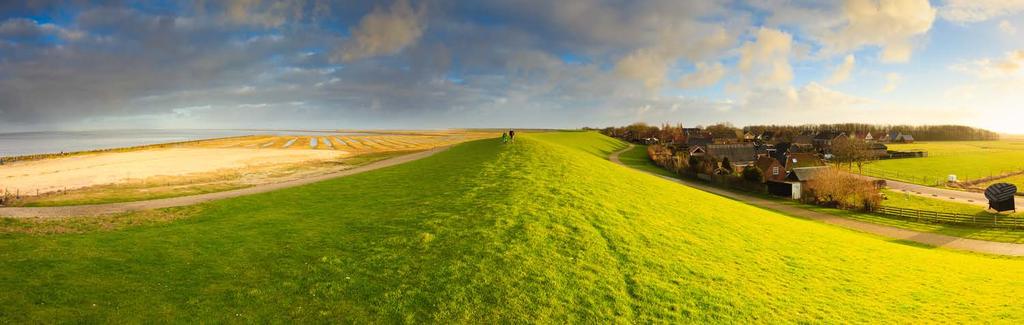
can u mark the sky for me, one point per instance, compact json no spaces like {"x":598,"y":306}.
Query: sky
{"x":405,"y":64}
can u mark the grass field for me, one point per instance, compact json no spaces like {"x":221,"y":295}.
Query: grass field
{"x":545,"y":230}
{"x":1017,"y":180}
{"x":899,"y":199}
{"x":966,"y":159}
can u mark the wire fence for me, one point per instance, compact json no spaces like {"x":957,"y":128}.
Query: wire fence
{"x":962,"y":178}
{"x":988,"y":220}
{"x":904,"y":177}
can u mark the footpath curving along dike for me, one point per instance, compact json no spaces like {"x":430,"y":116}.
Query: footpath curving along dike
{"x":122,"y":207}
{"x":930,"y":239}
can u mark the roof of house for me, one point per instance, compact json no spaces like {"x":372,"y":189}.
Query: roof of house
{"x":804,"y":138}
{"x":737,"y":152}
{"x":828,"y":135}
{"x":804,"y":174}
{"x":906,"y":137}
{"x":698,"y":141}
{"x":764,"y":163}
{"x":800,"y":160}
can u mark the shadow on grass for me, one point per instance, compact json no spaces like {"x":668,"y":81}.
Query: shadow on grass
{"x":912,"y":243}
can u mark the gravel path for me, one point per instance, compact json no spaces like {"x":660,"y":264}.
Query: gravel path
{"x":111,"y":208}
{"x":931,"y":239}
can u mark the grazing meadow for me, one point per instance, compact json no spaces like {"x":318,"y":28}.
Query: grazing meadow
{"x":542,"y":230}
{"x":966,"y":159}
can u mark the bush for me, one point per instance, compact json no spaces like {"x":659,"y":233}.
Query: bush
{"x":694,"y":164}
{"x":836,"y":188}
{"x":727,"y":165}
{"x":753,"y":174}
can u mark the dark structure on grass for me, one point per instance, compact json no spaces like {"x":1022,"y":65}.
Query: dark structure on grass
{"x":1000,"y":197}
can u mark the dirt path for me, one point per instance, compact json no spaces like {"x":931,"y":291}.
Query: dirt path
{"x":931,"y":239}
{"x":102,"y":209}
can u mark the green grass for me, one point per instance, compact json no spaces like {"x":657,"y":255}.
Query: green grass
{"x":544,"y":230}
{"x":989,"y":234}
{"x":1016,"y":180}
{"x":640,"y":161}
{"x":899,"y":199}
{"x":966,"y":159}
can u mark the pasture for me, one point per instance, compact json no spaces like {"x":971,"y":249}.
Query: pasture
{"x":966,"y":159}
{"x":545,"y":230}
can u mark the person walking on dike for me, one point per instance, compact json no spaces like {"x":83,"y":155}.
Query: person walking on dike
{"x":504,"y":137}
{"x":511,"y":135}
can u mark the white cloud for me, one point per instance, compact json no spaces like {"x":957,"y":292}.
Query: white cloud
{"x":1007,"y":27}
{"x":765,"y":61}
{"x":966,"y":11}
{"x":989,"y":68}
{"x":27,"y":28}
{"x":651,"y":64}
{"x":892,"y":80}
{"x":706,"y":75}
{"x":892,"y":25}
{"x":842,"y":72}
{"x":385,"y":32}
{"x":646,"y":65}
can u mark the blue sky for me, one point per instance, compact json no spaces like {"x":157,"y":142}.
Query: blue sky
{"x":561,"y":64}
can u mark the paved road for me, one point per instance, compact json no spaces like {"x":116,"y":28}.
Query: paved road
{"x":946,"y":194}
{"x":111,"y":208}
{"x":931,"y":239}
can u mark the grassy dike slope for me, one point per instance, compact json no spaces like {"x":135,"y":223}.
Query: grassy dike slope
{"x":545,"y":230}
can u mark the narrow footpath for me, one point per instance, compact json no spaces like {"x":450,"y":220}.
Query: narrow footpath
{"x":122,"y":207}
{"x":931,"y":239}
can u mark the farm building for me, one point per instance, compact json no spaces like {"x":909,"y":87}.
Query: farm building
{"x":903,"y":138}
{"x":877,"y":150}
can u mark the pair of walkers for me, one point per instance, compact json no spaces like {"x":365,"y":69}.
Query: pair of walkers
{"x":509,"y":136}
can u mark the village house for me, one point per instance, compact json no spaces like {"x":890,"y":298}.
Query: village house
{"x":804,"y":139}
{"x":771,"y":169}
{"x":881,"y":137}
{"x":749,"y":137}
{"x":766,"y":137}
{"x":824,"y":139}
{"x":863,"y":136}
{"x":739,"y":154}
{"x":801,"y":160}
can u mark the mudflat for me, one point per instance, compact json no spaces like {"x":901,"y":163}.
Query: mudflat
{"x":80,"y":171}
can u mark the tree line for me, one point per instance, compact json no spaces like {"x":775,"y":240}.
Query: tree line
{"x":670,"y":132}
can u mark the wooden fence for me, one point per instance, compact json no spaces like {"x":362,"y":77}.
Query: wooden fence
{"x":987,"y":220}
